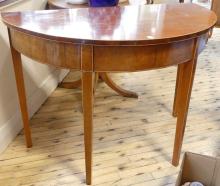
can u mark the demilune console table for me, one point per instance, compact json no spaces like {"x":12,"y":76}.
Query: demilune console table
{"x":157,"y":36}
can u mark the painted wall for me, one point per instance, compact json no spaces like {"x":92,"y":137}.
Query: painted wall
{"x":40,"y":80}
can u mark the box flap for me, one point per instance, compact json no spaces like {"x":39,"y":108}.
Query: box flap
{"x":198,"y":168}
{"x":216,"y":177}
{"x":179,"y":178}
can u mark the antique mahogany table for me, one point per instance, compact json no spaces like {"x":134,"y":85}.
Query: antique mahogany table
{"x":137,"y":38}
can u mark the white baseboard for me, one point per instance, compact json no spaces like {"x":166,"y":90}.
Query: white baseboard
{"x":13,"y":126}
{"x":10,"y":130}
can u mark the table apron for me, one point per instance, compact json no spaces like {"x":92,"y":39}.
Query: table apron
{"x":105,"y":58}
{"x":138,"y":58}
{"x":59,"y":54}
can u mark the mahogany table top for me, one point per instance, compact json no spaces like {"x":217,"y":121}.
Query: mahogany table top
{"x":128,"y":25}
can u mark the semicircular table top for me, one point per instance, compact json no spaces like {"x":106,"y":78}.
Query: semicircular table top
{"x":128,"y":25}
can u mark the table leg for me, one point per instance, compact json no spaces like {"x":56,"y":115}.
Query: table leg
{"x":16,"y":58}
{"x":87,"y":98}
{"x":116,"y":88}
{"x":186,"y":73}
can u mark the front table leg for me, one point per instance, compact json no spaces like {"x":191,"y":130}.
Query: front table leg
{"x":16,"y":58}
{"x":87,"y":98}
{"x":186,"y":73}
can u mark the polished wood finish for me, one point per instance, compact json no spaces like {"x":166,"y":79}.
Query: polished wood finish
{"x":17,"y":63}
{"x":141,"y":57}
{"x":160,"y":36}
{"x":203,"y":40}
{"x":87,"y":96}
{"x":65,"y":55}
{"x":92,"y":25}
{"x":216,"y":8}
{"x":87,"y":100}
{"x":186,"y":73}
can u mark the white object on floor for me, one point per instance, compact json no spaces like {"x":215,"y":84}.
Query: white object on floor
{"x":193,"y":184}
{"x":196,"y":184}
{"x":77,"y":2}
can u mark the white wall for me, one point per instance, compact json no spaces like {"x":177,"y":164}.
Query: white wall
{"x":40,"y":81}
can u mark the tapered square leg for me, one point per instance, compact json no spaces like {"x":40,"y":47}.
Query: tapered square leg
{"x":16,"y":58}
{"x":185,"y":78}
{"x":87,"y":98}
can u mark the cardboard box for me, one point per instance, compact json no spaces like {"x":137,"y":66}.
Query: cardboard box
{"x":196,"y":167}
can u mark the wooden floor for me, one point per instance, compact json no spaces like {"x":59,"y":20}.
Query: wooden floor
{"x":133,"y":138}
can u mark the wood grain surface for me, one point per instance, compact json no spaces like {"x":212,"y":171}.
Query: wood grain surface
{"x":129,"y":25}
